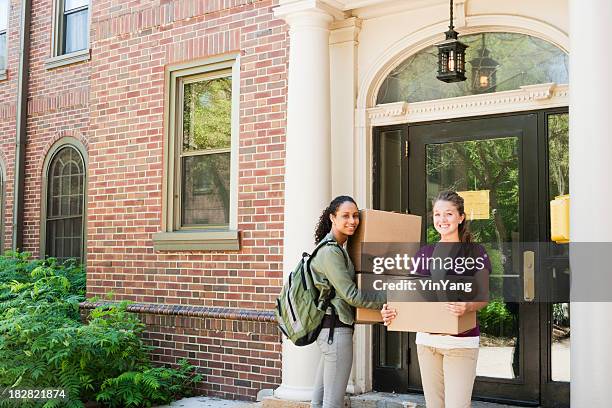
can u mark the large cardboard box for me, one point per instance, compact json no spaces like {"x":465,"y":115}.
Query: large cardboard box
{"x":383,"y":227}
{"x":366,"y":316}
{"x":430,"y":317}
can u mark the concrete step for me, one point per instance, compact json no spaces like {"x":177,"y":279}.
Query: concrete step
{"x":375,"y":400}
{"x":390,"y":400}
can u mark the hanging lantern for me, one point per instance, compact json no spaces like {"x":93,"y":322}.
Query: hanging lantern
{"x":484,"y":70}
{"x":451,"y":55}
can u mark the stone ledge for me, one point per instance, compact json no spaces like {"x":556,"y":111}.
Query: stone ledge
{"x":272,"y":402}
{"x":264,"y":316}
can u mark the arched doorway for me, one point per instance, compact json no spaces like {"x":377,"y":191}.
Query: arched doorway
{"x":518,"y":161}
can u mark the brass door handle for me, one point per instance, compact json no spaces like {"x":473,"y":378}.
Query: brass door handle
{"x":529,"y":275}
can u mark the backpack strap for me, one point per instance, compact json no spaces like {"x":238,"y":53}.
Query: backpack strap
{"x":332,"y":294}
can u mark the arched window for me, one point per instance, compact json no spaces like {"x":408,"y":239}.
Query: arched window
{"x":65,"y":204}
{"x":518,"y":60}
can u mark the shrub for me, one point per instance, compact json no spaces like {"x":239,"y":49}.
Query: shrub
{"x":44,"y":344}
{"x":496,"y":320}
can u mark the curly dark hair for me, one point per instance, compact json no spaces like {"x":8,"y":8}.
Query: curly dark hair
{"x":452,"y":197}
{"x":324,"y":225}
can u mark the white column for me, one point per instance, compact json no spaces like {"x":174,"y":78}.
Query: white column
{"x":307,"y":163}
{"x":343,"y":63}
{"x":591,"y":194}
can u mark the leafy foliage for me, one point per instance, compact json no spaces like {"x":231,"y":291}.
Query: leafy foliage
{"x":496,"y":320}
{"x":44,"y":343}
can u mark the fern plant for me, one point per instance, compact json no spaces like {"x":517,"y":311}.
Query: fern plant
{"x":44,"y":343}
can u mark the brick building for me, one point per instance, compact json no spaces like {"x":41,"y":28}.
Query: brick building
{"x":185,"y":148}
{"x":95,"y":118}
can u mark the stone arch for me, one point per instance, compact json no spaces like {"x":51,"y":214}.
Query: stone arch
{"x":427,"y":36}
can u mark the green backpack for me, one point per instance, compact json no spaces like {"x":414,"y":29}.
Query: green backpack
{"x":298,"y":311}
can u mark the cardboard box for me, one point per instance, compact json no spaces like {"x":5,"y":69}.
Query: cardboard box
{"x":384,"y":227}
{"x":429,"y":317}
{"x":366,"y":316}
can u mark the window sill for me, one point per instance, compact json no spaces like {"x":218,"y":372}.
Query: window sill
{"x":68,"y":59}
{"x":3,"y":75}
{"x":196,"y":241}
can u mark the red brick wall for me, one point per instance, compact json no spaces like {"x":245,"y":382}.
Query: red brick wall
{"x":114,"y":104}
{"x":58,"y":105}
{"x":131,"y":47}
{"x":130,"y":50}
{"x":235,"y":358}
{"x":8,"y":94}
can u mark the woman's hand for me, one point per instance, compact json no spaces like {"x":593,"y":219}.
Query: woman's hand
{"x":458,"y":308}
{"x":388,"y":314}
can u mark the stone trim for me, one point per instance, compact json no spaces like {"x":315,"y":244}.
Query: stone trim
{"x":68,"y":59}
{"x":224,"y":313}
{"x":196,"y":240}
{"x":528,"y":97}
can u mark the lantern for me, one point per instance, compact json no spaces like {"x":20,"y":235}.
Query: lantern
{"x":484,"y":69}
{"x":451,"y":55}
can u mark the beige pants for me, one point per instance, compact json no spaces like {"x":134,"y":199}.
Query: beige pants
{"x":447,"y":375}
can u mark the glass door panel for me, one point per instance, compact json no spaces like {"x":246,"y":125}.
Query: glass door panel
{"x":489,"y":167}
{"x":493,"y":161}
{"x":390,"y":355}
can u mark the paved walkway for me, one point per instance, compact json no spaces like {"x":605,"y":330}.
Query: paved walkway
{"x":209,"y":402}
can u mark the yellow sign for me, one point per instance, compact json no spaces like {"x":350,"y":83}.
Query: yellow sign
{"x":476,"y":204}
{"x":559,"y":219}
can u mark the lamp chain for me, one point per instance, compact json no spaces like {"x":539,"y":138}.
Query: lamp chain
{"x":451,"y":26}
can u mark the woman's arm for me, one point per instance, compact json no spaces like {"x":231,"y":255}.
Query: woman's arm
{"x":330,"y":262}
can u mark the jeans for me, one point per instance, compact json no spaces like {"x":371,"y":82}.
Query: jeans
{"x":334,"y":368}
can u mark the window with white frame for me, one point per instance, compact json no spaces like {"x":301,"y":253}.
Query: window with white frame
{"x":200,"y":153}
{"x":4,"y":18}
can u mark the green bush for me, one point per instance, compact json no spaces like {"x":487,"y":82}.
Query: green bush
{"x":44,"y":344}
{"x":496,"y":320}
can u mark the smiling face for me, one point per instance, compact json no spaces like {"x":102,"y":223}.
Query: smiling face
{"x":345,"y":221}
{"x":446,"y":219}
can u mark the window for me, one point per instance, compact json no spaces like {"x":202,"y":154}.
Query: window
{"x":75,"y":26}
{"x":64,"y":204}
{"x":70,"y":33}
{"x":519,"y":60}
{"x":200,"y":187}
{"x":4,"y":15}
{"x":205,"y":150}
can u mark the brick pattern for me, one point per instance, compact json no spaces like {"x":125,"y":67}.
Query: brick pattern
{"x":114,"y":105}
{"x":236,"y":358}
{"x":8,"y":92}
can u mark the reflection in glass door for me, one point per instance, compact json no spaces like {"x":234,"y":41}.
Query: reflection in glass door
{"x":489,"y":170}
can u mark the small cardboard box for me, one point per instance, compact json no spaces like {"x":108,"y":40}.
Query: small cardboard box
{"x":366,"y":316}
{"x":429,"y":317}
{"x":383,"y":227}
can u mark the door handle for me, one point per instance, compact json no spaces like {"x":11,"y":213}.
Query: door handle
{"x":529,"y":275}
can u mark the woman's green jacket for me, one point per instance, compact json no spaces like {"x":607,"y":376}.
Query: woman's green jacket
{"x":334,"y":269}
